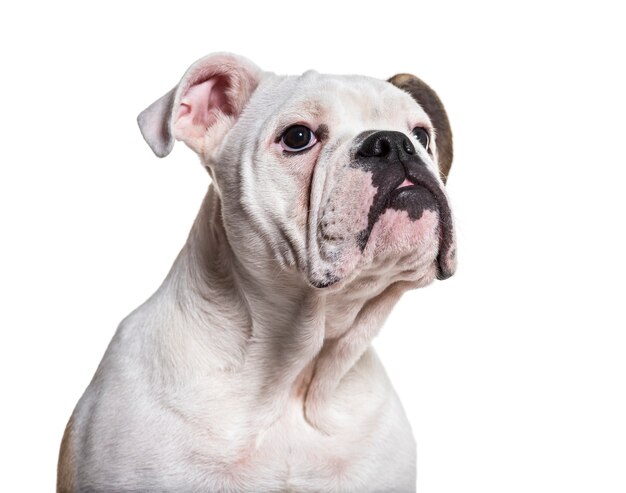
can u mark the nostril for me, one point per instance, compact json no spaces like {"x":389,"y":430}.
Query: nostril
{"x":408,"y":146}
{"x":382,"y":148}
{"x":376,"y":147}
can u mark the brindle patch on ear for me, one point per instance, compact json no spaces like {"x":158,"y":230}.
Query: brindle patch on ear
{"x":65,"y":471}
{"x":428,"y":99}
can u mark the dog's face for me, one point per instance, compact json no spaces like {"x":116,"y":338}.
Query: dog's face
{"x":338,"y":178}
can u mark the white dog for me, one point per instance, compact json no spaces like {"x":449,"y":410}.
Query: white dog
{"x":250,"y":369}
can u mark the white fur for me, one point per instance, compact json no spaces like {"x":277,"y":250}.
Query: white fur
{"x":237,"y":375}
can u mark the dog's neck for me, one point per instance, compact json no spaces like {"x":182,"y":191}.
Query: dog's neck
{"x":292,"y":339}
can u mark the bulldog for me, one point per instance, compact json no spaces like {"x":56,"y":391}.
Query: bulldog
{"x":251,"y":368}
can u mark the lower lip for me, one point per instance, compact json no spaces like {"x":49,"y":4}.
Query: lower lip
{"x":405,"y":183}
{"x":417,"y":195}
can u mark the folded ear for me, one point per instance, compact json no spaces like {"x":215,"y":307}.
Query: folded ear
{"x":208,"y":98}
{"x":432,"y":105}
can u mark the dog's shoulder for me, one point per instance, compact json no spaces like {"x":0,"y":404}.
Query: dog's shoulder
{"x":66,"y":481}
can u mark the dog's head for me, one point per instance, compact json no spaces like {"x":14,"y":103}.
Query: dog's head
{"x":335,"y":178}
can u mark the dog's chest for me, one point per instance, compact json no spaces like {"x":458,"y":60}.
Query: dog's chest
{"x":287,"y":455}
{"x":243,"y":454}
{"x":221,"y":436}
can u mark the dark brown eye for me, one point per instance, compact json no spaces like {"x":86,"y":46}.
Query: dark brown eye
{"x":423,"y":137}
{"x":297,"y":138}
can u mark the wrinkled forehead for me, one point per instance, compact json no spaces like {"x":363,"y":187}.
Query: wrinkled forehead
{"x":346,"y":103}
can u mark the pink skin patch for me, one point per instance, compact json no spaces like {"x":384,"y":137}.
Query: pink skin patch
{"x":344,"y":213}
{"x":395,"y":232}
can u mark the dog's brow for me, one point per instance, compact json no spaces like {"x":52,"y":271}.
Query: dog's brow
{"x":309,"y":112}
{"x":287,"y":120}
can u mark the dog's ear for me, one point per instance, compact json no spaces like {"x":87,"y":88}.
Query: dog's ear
{"x":432,"y":105}
{"x":208,"y":98}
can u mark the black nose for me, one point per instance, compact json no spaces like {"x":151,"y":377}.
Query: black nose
{"x":386,"y":144}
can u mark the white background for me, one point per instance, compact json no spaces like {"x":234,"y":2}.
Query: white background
{"x":513,"y":373}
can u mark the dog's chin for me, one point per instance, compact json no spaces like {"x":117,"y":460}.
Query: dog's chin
{"x":400,"y":247}
{"x":414,"y":231}
{"x":406,"y":246}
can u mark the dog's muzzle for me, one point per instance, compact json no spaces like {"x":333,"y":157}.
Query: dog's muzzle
{"x":403,"y":182}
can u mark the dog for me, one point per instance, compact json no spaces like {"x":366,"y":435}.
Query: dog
{"x":251,"y":369}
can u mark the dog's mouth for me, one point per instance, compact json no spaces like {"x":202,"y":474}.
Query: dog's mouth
{"x":416,"y":193}
{"x":405,"y":184}
{"x":408,"y":187}
{"x":411,"y":197}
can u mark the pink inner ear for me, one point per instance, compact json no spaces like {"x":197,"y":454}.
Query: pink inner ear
{"x":200,"y":107}
{"x":218,"y":95}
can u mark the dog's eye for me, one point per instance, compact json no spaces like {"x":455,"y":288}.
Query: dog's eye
{"x":297,"y":138}
{"x":422,"y":135}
